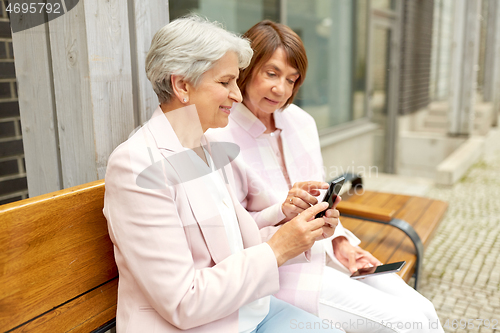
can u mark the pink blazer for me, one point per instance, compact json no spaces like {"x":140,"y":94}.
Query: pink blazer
{"x":176,"y":271}
{"x":262,"y":188}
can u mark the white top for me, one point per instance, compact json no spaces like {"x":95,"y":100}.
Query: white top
{"x":274,"y":139}
{"x":251,"y":314}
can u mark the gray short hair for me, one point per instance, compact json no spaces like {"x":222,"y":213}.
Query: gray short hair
{"x":190,"y":46}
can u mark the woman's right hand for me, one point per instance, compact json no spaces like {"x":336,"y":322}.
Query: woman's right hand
{"x":300,"y":197}
{"x":299,"y":234}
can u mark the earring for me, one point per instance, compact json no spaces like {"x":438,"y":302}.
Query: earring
{"x":185,"y":100}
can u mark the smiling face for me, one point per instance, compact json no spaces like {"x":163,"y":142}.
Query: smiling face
{"x":216,"y":92}
{"x":271,"y":85}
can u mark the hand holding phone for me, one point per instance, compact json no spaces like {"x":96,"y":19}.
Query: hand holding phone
{"x":331,"y":194}
{"x":378,"y":270}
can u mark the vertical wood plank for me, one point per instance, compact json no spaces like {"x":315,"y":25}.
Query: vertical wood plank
{"x":73,"y":99}
{"x":148,"y":17}
{"x":39,"y":124}
{"x":110,"y":75}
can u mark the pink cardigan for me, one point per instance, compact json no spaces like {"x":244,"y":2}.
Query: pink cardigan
{"x":261,"y":187}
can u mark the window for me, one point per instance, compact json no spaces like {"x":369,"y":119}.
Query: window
{"x":236,"y":15}
{"x":334,"y":34}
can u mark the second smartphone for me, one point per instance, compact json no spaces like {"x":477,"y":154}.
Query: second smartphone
{"x":377,"y":270}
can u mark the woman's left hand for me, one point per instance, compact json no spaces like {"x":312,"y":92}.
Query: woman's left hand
{"x":300,"y":197}
{"x":352,"y":257}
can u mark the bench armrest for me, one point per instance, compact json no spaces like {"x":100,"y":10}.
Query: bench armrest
{"x":355,"y":179}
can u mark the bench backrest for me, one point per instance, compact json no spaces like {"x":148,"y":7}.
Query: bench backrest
{"x":58,"y":272}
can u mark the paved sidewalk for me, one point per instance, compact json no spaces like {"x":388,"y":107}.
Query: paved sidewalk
{"x":462,"y":263}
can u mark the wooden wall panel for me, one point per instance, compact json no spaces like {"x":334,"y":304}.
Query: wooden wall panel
{"x":36,"y":103}
{"x":145,"y":22}
{"x":73,"y":98}
{"x":83,"y":88}
{"x":110,"y":75}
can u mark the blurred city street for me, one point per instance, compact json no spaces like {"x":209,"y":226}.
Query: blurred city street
{"x":462,"y":263}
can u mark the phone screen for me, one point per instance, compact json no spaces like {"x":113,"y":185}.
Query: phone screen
{"x":376,"y":270}
{"x":331,"y":194}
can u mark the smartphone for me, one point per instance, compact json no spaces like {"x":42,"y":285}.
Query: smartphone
{"x":378,"y":270}
{"x":331,"y":194}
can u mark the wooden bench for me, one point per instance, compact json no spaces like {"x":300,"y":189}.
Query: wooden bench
{"x":392,"y":227}
{"x":57,"y":263}
{"x":59,"y":273}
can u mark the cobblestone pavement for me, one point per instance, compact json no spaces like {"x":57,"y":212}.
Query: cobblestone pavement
{"x":462,"y":263}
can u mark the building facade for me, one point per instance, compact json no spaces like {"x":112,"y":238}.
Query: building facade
{"x":395,"y":86}
{"x":13,"y":183}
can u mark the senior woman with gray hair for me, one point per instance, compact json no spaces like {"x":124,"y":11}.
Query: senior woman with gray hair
{"x":189,"y":255}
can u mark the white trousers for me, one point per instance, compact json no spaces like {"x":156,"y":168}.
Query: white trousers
{"x":382,"y":303}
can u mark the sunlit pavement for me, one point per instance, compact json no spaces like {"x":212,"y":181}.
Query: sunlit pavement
{"x":462,"y":263}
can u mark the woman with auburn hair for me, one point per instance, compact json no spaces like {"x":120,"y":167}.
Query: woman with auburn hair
{"x":280,"y":170}
{"x":190,"y":257}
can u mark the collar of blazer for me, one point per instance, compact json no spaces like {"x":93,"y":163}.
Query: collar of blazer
{"x":250,"y":123}
{"x":198,"y":194}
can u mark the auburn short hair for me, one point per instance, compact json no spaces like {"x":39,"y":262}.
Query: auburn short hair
{"x":265,"y":38}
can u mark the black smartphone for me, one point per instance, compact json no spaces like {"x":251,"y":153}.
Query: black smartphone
{"x":331,"y":194}
{"x":377,"y":270}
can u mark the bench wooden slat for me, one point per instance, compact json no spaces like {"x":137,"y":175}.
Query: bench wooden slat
{"x":377,"y":199}
{"x":374,"y":234}
{"x":52,"y":248}
{"x":411,"y":213}
{"x":429,"y":219}
{"x":352,"y":224}
{"x":92,"y":309}
{"x":358,"y":196}
{"x":368,"y":199}
{"x":371,"y":238}
{"x":378,"y":213}
{"x":387,"y":243}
